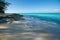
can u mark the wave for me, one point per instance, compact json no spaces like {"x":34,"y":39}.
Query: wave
{"x":52,"y":17}
{"x":47,"y":26}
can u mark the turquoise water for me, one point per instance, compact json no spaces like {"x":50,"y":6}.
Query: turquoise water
{"x":35,"y":26}
{"x":52,"y":17}
{"x":50,"y":22}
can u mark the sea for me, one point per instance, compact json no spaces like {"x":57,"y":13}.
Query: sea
{"x":50,"y":22}
{"x":51,"y":17}
{"x":34,"y":26}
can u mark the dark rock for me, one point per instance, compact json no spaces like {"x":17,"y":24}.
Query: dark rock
{"x":10,"y":17}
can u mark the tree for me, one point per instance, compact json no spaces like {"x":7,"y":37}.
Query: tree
{"x":3,"y":6}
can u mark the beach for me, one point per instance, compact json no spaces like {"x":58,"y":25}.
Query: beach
{"x":30,"y":29}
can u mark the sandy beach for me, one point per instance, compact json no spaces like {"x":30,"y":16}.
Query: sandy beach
{"x":23,"y":30}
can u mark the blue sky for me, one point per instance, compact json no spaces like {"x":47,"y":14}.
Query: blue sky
{"x":33,"y":6}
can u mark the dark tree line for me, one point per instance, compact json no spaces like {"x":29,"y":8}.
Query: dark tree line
{"x":3,"y":6}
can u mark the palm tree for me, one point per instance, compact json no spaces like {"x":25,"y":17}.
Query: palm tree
{"x":3,"y":6}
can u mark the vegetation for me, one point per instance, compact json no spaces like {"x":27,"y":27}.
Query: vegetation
{"x":3,"y":6}
{"x":10,"y":17}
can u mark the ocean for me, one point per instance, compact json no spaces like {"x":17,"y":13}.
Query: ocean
{"x":49,"y":22}
{"x":51,"y":17}
{"x":35,"y":26}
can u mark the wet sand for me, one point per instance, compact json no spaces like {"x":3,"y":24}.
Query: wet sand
{"x":21,"y":31}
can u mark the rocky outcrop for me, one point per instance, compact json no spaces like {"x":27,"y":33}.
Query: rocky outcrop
{"x":10,"y":17}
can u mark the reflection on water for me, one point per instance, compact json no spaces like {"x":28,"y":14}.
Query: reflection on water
{"x":30,"y":29}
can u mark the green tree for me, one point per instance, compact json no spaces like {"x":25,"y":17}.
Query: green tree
{"x":3,"y":6}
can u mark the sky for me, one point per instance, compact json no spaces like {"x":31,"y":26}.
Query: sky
{"x":33,"y":6}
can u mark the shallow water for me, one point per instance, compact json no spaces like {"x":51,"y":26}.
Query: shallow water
{"x":31,"y":28}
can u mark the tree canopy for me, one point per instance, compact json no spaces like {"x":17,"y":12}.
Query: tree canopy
{"x":3,"y":6}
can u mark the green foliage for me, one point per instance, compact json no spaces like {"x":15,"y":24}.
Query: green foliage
{"x":3,"y":6}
